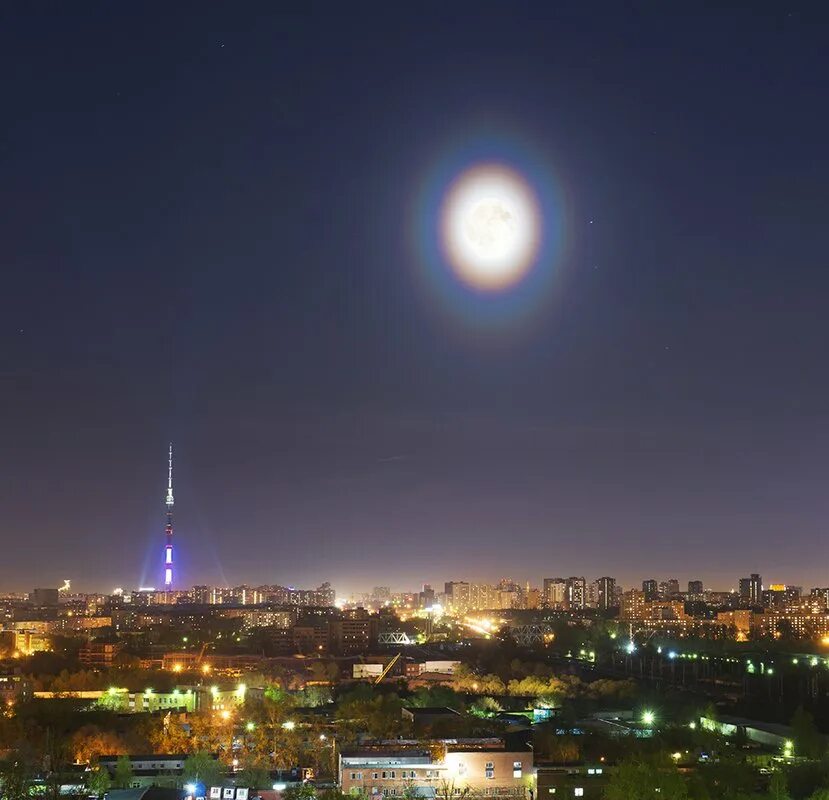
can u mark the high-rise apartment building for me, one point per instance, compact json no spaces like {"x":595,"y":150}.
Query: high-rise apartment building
{"x":592,"y":598}
{"x":695,"y":589}
{"x":650,"y":588}
{"x":820,"y":594}
{"x":751,"y":590}
{"x":457,"y":596}
{"x":555,"y":592}
{"x":427,"y":596}
{"x":200,"y":595}
{"x":576,"y":593}
{"x":606,"y":593}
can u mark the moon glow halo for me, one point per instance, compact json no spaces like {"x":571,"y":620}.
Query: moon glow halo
{"x":490,"y":227}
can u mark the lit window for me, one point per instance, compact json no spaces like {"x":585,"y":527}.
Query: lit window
{"x":516,"y":769}
{"x":578,"y":792}
{"x":551,"y":790}
{"x":489,"y":770}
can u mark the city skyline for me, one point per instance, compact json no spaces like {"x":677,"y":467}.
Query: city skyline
{"x":656,"y":584}
{"x":236,"y":238}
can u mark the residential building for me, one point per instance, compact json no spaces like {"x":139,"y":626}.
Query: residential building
{"x":99,"y":655}
{"x":633,"y":605}
{"x":14,"y":687}
{"x":576,"y":593}
{"x":740,"y":620}
{"x":555,"y":592}
{"x":355,"y":633}
{"x":457,"y":596}
{"x":751,"y":589}
{"x":606,"y":593}
{"x":44,"y":597}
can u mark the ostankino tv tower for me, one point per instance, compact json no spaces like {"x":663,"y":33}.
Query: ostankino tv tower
{"x":168,"y":530}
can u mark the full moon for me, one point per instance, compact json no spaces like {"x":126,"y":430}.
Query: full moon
{"x":491,"y":227}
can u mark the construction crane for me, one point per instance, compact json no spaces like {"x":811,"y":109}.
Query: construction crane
{"x":388,"y":668}
{"x":205,"y":668}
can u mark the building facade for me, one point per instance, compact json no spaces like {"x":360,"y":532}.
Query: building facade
{"x":474,"y":767}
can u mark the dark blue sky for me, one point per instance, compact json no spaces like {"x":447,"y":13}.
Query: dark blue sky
{"x":207,"y":237}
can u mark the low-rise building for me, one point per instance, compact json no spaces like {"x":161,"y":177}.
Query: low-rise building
{"x":452,"y":767}
{"x":149,"y":770}
{"x":566,"y":781}
{"x":99,"y":655}
{"x":14,"y":687}
{"x":802,"y":622}
{"x":28,"y":642}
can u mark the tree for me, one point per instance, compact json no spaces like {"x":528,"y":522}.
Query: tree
{"x":485,"y":707}
{"x":729,"y":779}
{"x":305,"y":791}
{"x":90,"y":742}
{"x":807,"y":739}
{"x":335,"y":794}
{"x":778,"y":787}
{"x":98,"y":782}
{"x":448,"y":790}
{"x":168,"y":736}
{"x":379,"y":716}
{"x":201,"y":767}
{"x":14,"y":780}
{"x":254,"y":776}
{"x":122,"y":779}
{"x":313,"y":696}
{"x":435,"y":696}
{"x":641,"y":780}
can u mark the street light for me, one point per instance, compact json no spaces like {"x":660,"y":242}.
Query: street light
{"x":289,"y":725}
{"x":250,"y":726}
{"x":648,"y":717}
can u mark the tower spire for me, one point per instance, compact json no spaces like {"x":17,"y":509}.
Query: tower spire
{"x":170,"y":476}
{"x":168,"y":529}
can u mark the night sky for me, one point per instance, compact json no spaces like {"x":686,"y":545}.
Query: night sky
{"x":208,"y":236}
